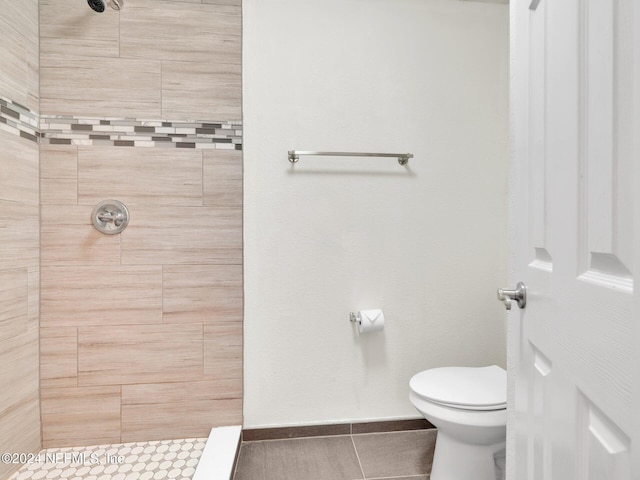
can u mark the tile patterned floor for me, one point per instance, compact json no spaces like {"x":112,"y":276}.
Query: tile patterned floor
{"x":381,"y":456}
{"x":158,"y":460}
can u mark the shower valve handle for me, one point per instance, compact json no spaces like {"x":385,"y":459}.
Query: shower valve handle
{"x":117,"y":218}
{"x":110,"y":217}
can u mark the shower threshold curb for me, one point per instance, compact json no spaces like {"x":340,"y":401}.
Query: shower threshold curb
{"x":219,"y":455}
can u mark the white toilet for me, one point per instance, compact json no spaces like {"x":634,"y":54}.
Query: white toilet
{"x":468,"y":405}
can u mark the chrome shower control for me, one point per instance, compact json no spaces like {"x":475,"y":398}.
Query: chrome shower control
{"x":110,"y":217}
{"x":519,"y":295}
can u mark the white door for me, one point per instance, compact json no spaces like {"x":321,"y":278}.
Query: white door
{"x":574,"y":350}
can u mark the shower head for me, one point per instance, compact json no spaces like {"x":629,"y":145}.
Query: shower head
{"x":100,"y":5}
{"x":97,"y":5}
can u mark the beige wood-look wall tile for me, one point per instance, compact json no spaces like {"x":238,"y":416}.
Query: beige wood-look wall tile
{"x":155,"y":176}
{"x":199,"y":91}
{"x":178,"y":409}
{"x":139,"y":354}
{"x":59,"y":191}
{"x":23,"y":15}
{"x":33,"y":306}
{"x":58,"y":161}
{"x":222,"y":178}
{"x":58,"y":174}
{"x":19,"y":235}
{"x":19,"y":52}
{"x":14,"y":306}
{"x":223,"y":351}
{"x":13,"y":58}
{"x":19,"y":166}
{"x":69,"y":238}
{"x":71,"y":29}
{"x":111,"y":87}
{"x":7,"y":470}
{"x":202,"y":293}
{"x":20,"y":430}
{"x":33,"y":74}
{"x":236,"y":3}
{"x":91,"y":296}
{"x":19,"y":404}
{"x":80,"y":416}
{"x":181,"y":31}
{"x":183,"y":235}
{"x":18,"y":368}
{"x":58,"y":357}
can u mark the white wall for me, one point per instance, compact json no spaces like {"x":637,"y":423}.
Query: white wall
{"x":425,"y":243}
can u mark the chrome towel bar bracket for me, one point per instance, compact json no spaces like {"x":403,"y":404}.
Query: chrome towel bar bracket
{"x":403,"y":158}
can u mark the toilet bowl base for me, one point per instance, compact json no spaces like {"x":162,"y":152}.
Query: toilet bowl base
{"x":455,"y":460}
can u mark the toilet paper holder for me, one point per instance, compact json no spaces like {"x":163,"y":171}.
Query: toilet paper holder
{"x":367,"y":321}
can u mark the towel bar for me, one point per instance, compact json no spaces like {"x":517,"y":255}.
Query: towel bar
{"x":403,"y":158}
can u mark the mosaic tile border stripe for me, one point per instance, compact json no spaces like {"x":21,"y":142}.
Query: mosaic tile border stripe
{"x":119,"y":132}
{"x":18,"y":120}
{"x":131,"y":132}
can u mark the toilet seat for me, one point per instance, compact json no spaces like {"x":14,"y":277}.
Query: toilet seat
{"x":466,"y":388}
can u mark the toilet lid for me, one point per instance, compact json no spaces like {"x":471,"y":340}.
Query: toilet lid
{"x":473,"y":388}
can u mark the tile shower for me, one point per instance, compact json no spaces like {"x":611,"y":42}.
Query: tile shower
{"x":135,"y":337}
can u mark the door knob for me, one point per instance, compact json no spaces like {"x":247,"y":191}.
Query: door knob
{"x":519,"y":295}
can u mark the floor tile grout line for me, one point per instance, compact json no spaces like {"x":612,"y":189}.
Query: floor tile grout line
{"x":355,"y":449}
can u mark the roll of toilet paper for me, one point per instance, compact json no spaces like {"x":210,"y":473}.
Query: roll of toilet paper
{"x":370,"y":321}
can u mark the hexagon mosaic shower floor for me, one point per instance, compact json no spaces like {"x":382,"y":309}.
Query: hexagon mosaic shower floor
{"x":157,"y":460}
